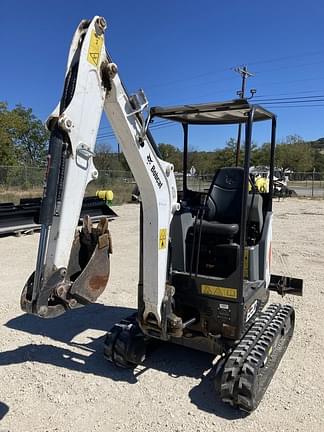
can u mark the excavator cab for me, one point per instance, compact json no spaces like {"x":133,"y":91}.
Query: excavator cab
{"x":221,"y":237}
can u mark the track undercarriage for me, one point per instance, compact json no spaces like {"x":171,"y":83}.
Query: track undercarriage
{"x":250,"y":367}
{"x":245,"y":371}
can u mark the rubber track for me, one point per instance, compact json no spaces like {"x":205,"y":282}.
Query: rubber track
{"x":250,"y":367}
{"x":125,"y":344}
{"x":115,"y":345}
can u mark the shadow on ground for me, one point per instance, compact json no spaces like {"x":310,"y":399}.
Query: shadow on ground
{"x":3,"y":410}
{"x":88,"y":357}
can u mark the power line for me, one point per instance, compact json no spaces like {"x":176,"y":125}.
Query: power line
{"x":295,"y":106}
{"x":295,"y":81}
{"x":289,"y":93}
{"x":158,"y":122}
{"x":271,"y":103}
{"x":260,"y":99}
{"x":159,"y":125}
{"x":292,"y":66}
{"x":291,"y":102}
{"x":222,"y":91}
{"x":273,"y":60}
{"x":202,"y":75}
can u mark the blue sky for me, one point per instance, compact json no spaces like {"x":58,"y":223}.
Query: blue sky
{"x":178,"y":52}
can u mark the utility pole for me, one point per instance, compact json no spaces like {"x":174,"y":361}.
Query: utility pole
{"x":245,"y":74}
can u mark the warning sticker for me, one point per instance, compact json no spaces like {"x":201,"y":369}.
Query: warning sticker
{"x":219,"y":291}
{"x":94,"y":48}
{"x":163,"y":238}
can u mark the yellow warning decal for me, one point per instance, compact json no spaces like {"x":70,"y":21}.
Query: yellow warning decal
{"x":219,"y":291}
{"x":163,"y":238}
{"x":94,"y":48}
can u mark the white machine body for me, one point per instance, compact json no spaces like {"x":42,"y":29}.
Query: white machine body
{"x":155,"y":177}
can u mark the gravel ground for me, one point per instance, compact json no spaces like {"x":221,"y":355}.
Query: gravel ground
{"x":54,"y":378}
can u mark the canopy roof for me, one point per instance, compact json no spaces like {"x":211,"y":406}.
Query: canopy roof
{"x":229,"y":112}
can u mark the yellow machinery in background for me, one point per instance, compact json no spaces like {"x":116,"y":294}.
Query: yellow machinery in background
{"x":106,"y":195}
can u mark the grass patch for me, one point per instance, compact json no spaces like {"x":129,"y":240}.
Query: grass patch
{"x":15,"y":194}
{"x":122,"y":192}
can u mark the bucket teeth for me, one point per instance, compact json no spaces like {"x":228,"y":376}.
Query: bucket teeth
{"x":83,"y":281}
{"x":87,"y":225}
{"x":102,"y":227}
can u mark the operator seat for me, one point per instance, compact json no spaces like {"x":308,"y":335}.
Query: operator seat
{"x":224,"y":202}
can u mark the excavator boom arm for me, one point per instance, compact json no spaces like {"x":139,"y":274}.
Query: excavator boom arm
{"x":72,"y":268}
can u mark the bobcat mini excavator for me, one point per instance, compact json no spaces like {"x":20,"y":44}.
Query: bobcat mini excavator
{"x":204,"y":265}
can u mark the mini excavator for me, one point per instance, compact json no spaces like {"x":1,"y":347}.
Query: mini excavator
{"x":204,"y":265}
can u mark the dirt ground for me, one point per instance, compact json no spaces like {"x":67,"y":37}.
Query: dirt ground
{"x":54,"y":378}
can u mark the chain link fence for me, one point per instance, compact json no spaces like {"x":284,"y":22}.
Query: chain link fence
{"x":304,"y":184}
{"x":307,"y":184}
{"x":24,"y":181}
{"x":198,"y":182}
{"x":22,"y":177}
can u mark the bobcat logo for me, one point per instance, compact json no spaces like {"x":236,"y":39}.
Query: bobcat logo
{"x":229,"y":180}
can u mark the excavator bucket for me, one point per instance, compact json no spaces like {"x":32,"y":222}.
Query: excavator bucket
{"x":82,"y":282}
{"x":90,"y":251}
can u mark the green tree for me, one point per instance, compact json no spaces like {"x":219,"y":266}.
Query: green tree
{"x":23,"y":137}
{"x":294,"y":153}
{"x":261,"y":155}
{"x":7,"y":151}
{"x":318,"y":161}
{"x":318,"y":152}
{"x":171,"y":154}
{"x":108,"y":160}
{"x":102,"y":159}
{"x":226,"y":156}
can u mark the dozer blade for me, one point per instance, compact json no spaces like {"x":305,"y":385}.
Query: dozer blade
{"x":252,"y":364}
{"x":82,"y":282}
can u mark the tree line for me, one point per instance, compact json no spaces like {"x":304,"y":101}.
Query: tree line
{"x":293,"y":153}
{"x":24,"y":141}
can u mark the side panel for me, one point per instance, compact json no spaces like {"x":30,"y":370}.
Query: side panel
{"x":180,"y":225}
